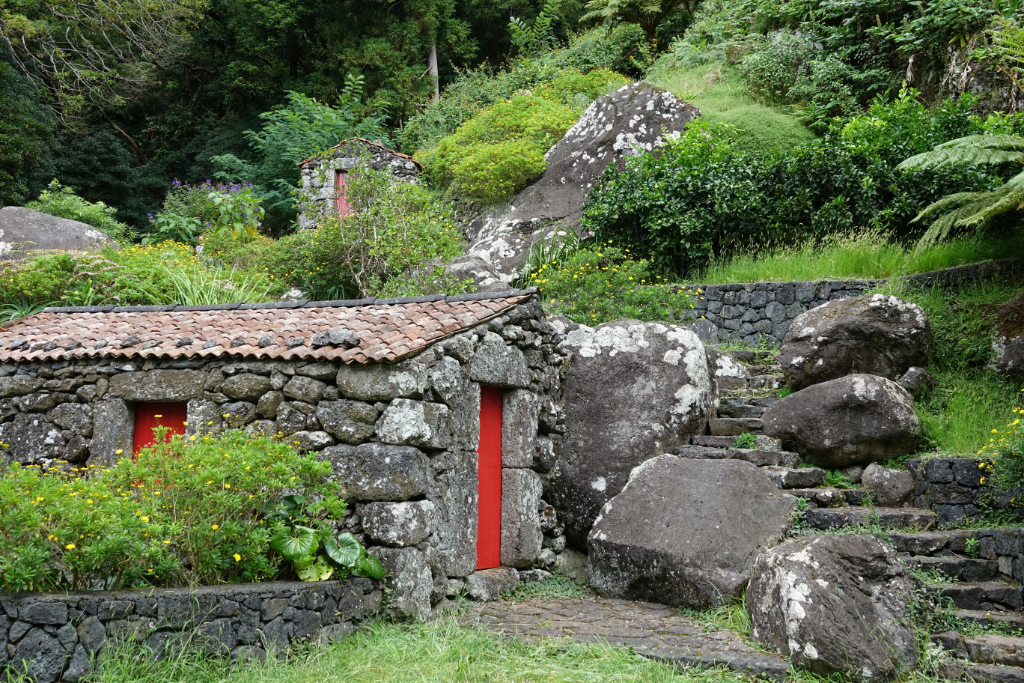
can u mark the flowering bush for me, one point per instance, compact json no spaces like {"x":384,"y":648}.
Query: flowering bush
{"x":1006,"y":449}
{"x":191,"y":210}
{"x":184,"y":513}
{"x":602,"y":283}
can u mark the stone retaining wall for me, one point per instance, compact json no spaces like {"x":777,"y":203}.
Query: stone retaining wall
{"x":760,"y":312}
{"x":59,"y":636}
{"x":953,"y":487}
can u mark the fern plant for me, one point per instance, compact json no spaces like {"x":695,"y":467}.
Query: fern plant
{"x":646,"y":13}
{"x":970,"y":210}
{"x":537,"y":36}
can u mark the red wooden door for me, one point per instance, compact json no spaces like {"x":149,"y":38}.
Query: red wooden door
{"x":170,"y":414}
{"x":488,"y":543}
{"x":341,"y":194}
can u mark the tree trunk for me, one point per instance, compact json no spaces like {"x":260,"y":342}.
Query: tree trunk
{"x":432,"y":67}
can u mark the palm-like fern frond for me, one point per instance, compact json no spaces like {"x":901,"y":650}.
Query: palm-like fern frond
{"x":975,"y":210}
{"x":973,"y":150}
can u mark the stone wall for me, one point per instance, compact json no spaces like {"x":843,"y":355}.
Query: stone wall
{"x":401,"y":437}
{"x":316,"y":194}
{"x":954,"y":488}
{"x":760,"y":312}
{"x":59,"y":636}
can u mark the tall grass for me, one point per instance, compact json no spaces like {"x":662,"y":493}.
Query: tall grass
{"x":198,"y":287}
{"x":440,"y":651}
{"x":865,"y":255}
{"x":970,"y":400}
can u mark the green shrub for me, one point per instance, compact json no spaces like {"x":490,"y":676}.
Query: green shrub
{"x":699,"y":199}
{"x":494,"y":154}
{"x":150,"y":274}
{"x":599,"y":284}
{"x":620,"y":50}
{"x":185,"y":513}
{"x":193,"y":210}
{"x":1006,"y":448}
{"x":61,"y":201}
{"x":389,"y":247}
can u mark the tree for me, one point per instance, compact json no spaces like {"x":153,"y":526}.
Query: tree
{"x":971,"y":210}
{"x":647,"y":13}
{"x":89,"y":53}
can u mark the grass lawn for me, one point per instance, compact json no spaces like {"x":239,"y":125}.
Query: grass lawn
{"x":862,"y":255}
{"x":722,"y":97}
{"x":440,"y":651}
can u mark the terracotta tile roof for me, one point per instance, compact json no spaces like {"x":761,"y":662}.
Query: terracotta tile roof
{"x":387,"y":329}
{"x":367,"y":142}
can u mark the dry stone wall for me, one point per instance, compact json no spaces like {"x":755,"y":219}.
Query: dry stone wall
{"x":59,"y":636}
{"x":761,"y":312}
{"x":401,"y":437}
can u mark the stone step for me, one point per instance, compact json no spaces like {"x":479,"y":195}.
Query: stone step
{"x":763,"y":458}
{"x":954,"y":670}
{"x":821,"y":497}
{"x":734,"y":426}
{"x":887,"y":518}
{"x":747,"y":356}
{"x":764,"y":443}
{"x":983,"y":595}
{"x":758,"y":457}
{"x":766,"y":383}
{"x":799,"y":478}
{"x":932,"y":542}
{"x":741,"y":410}
{"x":991,"y":648}
{"x":959,"y":568}
{"x":764,"y":401}
{"x":992,"y":617}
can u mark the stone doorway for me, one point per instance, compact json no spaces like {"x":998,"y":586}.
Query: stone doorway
{"x":488,"y":544}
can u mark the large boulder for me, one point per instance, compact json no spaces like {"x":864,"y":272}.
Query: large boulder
{"x":834,"y":604}
{"x":634,"y":119}
{"x":853,"y":420}
{"x":634,"y":390}
{"x":686,"y":532}
{"x":23,"y":231}
{"x":875,"y":335}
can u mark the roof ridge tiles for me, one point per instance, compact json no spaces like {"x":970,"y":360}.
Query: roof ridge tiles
{"x":337,"y":303}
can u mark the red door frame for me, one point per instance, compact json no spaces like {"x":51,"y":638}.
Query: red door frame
{"x":488,"y":543}
{"x":170,"y":414}
{"x":341,"y":204}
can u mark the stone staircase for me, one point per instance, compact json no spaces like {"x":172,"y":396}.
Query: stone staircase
{"x":979,"y":590}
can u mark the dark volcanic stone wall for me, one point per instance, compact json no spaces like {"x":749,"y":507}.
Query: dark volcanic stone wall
{"x":59,"y":636}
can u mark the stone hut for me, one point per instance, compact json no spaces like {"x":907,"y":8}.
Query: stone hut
{"x":441,"y":415}
{"x":325,"y":177}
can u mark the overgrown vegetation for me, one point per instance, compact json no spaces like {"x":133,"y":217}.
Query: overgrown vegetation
{"x":184,"y":513}
{"x":970,"y":399}
{"x":598,"y":284}
{"x":700,"y":199}
{"x":57,"y":200}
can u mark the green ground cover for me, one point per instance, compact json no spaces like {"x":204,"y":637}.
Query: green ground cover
{"x":722,"y":97}
{"x":865,"y":255}
{"x":439,"y":651}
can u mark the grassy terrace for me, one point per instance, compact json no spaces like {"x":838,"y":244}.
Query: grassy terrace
{"x":859,"y":255}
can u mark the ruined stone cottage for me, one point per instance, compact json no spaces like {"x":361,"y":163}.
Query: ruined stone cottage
{"x":437,"y":413}
{"x":325,"y":176}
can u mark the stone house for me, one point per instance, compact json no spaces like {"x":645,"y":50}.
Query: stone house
{"x":441,"y":415}
{"x":325,"y":177}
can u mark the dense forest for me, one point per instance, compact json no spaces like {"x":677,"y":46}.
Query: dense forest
{"x":809,"y":110}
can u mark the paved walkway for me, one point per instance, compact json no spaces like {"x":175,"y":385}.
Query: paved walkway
{"x":652,"y":630}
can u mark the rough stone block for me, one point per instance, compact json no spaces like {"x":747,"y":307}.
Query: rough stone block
{"x":496,"y":364}
{"x":519,"y":415}
{"x":113,"y":431}
{"x":521,"y":535}
{"x":158,"y":385}
{"x":487,"y":585}
{"x":375,"y":471}
{"x":414,"y":423}
{"x":410,"y":581}
{"x":398,"y":524}
{"x":382,"y":381}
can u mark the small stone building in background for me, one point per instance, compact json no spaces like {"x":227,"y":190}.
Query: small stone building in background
{"x":325,"y":177}
{"x":441,"y":415}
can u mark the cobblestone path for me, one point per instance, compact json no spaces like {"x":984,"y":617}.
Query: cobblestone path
{"x":652,"y":630}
